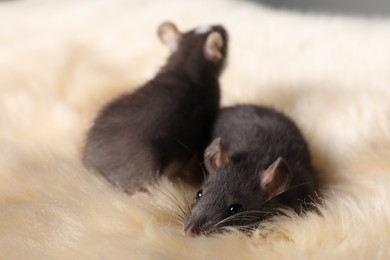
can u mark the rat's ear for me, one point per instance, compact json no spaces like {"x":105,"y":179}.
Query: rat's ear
{"x":275,"y":179}
{"x":169,"y":35}
{"x":213,"y":46}
{"x":215,"y":155}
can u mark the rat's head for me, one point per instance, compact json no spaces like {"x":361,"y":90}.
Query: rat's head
{"x":202,"y":48}
{"x":235,"y":193}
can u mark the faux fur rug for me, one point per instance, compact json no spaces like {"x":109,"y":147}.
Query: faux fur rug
{"x":60,"y":61}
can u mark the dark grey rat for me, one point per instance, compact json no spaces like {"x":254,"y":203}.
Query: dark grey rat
{"x":159,"y":128}
{"x":258,"y":163}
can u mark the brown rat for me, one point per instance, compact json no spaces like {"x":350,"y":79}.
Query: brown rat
{"x":258,"y":163}
{"x":161,"y":126}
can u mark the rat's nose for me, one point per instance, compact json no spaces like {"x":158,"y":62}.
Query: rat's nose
{"x":192,"y":230}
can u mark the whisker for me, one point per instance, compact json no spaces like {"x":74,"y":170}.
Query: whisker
{"x":245,"y":215}
{"x":179,"y":204}
{"x":253,"y":217}
{"x":177,"y":217}
{"x":182,"y":144}
{"x":201,"y":168}
{"x":187,"y":206}
{"x":171,"y":199}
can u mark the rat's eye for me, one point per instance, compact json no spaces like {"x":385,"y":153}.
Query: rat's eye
{"x":234,"y":209}
{"x":198,"y":195}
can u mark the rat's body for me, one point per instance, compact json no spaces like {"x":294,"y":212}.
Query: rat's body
{"x":258,"y":162}
{"x":166,"y":122}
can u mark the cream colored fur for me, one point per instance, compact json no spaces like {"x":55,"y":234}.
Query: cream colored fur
{"x":60,"y":61}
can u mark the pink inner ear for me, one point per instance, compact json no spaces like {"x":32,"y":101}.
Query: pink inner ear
{"x":275,"y":179}
{"x":221,"y":159}
{"x":213,"y":46}
{"x":273,"y":184}
{"x":170,"y":35}
{"x":215,"y":155}
{"x":172,"y":41}
{"x":266,"y":179}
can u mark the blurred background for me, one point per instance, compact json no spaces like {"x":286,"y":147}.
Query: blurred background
{"x":372,"y":8}
{"x":349,"y":7}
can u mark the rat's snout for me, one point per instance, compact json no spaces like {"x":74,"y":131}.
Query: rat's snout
{"x":194,"y":226}
{"x":192,"y":230}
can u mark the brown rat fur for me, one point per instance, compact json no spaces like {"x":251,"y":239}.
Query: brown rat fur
{"x":167,"y":121}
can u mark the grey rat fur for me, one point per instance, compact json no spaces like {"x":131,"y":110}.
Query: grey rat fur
{"x":258,"y":163}
{"x":167,"y":121}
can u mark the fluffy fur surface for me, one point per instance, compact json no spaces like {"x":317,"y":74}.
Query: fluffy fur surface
{"x":60,"y":61}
